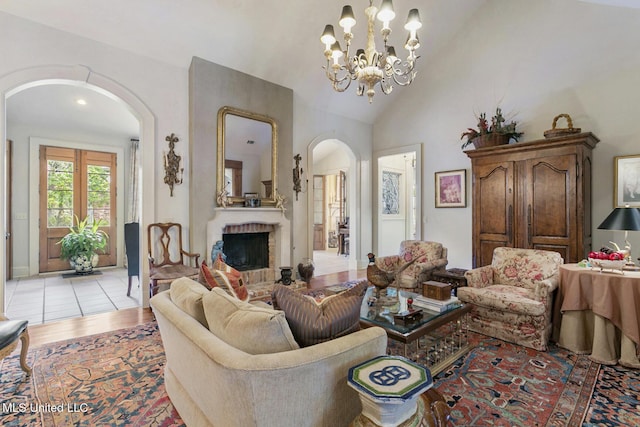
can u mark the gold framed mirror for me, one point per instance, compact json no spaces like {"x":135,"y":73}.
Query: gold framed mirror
{"x":247,"y":156}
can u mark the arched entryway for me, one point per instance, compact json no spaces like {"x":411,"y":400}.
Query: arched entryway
{"x":333,"y":205}
{"x":79,"y":75}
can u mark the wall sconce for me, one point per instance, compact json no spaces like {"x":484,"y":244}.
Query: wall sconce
{"x":172,"y":171}
{"x":297,"y":171}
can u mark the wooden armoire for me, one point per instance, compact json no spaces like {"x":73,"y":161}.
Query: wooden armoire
{"x":535,"y":195}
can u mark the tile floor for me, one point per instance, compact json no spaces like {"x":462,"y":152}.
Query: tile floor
{"x":48,"y":298}
{"x":327,"y":262}
{"x":45,"y":299}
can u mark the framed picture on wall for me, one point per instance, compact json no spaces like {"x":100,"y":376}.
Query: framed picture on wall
{"x":626,"y":182}
{"x":391,"y":194}
{"x":451,"y":189}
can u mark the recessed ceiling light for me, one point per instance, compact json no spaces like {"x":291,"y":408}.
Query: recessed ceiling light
{"x":81,"y":101}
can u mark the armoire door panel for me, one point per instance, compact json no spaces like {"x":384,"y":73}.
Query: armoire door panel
{"x":494,"y":185}
{"x":493,"y":194}
{"x":552,"y":184}
{"x":550,"y":202}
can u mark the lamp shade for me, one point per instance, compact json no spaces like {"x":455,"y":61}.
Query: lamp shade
{"x":622,"y":219}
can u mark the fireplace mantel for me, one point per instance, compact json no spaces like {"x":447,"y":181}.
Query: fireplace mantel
{"x":240,"y":215}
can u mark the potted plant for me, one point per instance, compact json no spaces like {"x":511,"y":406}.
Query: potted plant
{"x":81,"y":244}
{"x":489,"y":135}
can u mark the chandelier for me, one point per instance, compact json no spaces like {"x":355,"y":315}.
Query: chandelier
{"x":369,"y":66}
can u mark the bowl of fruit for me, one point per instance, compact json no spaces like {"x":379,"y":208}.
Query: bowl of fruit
{"x":607,"y":258}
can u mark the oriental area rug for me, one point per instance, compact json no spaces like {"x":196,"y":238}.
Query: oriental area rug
{"x":109,"y":379}
{"x":116,"y":379}
{"x":503,"y":384}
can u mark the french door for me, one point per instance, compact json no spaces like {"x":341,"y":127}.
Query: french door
{"x":75,"y":183}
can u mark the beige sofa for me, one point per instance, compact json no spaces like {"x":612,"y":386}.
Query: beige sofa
{"x":212,"y":383}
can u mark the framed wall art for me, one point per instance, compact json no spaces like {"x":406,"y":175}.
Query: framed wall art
{"x":626,"y":182}
{"x":451,"y":189}
{"x":391,"y":193}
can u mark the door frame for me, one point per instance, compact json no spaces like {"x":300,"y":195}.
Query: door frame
{"x":8,"y":162}
{"x":34,"y":198}
{"x":81,"y":160}
{"x":417,"y":149}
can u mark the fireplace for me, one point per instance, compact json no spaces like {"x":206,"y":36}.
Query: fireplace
{"x":251,"y":221}
{"x":246,"y":251}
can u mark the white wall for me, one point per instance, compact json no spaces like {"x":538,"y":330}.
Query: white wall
{"x":535,"y":59}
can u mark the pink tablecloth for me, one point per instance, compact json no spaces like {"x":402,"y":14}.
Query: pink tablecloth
{"x":588,"y":300}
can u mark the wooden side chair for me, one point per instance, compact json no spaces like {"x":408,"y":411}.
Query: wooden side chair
{"x":10,"y":332}
{"x":167,"y":257}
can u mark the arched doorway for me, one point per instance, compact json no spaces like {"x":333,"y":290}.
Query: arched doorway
{"x":333,"y":221}
{"x":83,"y":76}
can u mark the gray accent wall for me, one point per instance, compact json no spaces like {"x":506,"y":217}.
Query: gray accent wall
{"x":211,"y":87}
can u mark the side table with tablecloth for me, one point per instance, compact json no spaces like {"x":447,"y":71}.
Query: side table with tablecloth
{"x":598,"y":313}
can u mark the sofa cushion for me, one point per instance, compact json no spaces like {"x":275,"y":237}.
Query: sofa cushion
{"x":187,"y":295}
{"x":233,"y":279}
{"x":312,"y":322}
{"x":252,"y":329}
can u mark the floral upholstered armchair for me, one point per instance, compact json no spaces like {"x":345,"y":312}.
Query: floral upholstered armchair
{"x":430,"y":256}
{"x":512,"y":298}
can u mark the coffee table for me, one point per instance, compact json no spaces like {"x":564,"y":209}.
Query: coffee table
{"x":440,"y":338}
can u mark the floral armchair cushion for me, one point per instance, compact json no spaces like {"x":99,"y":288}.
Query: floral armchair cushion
{"x":431,"y":256}
{"x":524,"y":267}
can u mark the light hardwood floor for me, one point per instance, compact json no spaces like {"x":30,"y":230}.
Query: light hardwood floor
{"x":126,"y":318}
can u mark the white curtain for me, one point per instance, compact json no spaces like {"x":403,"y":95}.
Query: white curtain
{"x":133,"y":214}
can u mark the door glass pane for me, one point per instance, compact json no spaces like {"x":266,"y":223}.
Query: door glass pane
{"x":59,"y":194}
{"x":99,"y":194}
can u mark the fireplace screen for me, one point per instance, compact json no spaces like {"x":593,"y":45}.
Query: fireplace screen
{"x":247,"y":251}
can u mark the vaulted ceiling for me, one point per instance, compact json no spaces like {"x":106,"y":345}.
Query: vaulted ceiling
{"x":276,"y":40}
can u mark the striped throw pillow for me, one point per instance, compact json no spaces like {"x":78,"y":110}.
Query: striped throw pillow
{"x":312,"y":323}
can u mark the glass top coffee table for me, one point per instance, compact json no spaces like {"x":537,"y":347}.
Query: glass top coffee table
{"x":440,"y":338}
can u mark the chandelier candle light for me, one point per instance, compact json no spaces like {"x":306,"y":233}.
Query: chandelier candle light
{"x":369,"y":66}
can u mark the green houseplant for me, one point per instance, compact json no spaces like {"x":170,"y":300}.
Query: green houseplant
{"x":487,"y":135}
{"x":81,"y":245}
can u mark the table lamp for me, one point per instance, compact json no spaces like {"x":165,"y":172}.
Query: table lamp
{"x":627,"y":219}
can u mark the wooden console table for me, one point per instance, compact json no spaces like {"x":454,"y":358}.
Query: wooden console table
{"x":599,"y":314}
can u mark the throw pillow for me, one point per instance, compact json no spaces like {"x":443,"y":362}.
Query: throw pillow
{"x":313,"y":323}
{"x":233,"y":279}
{"x":254,"y":330}
{"x":187,"y":295}
{"x":206,"y":278}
